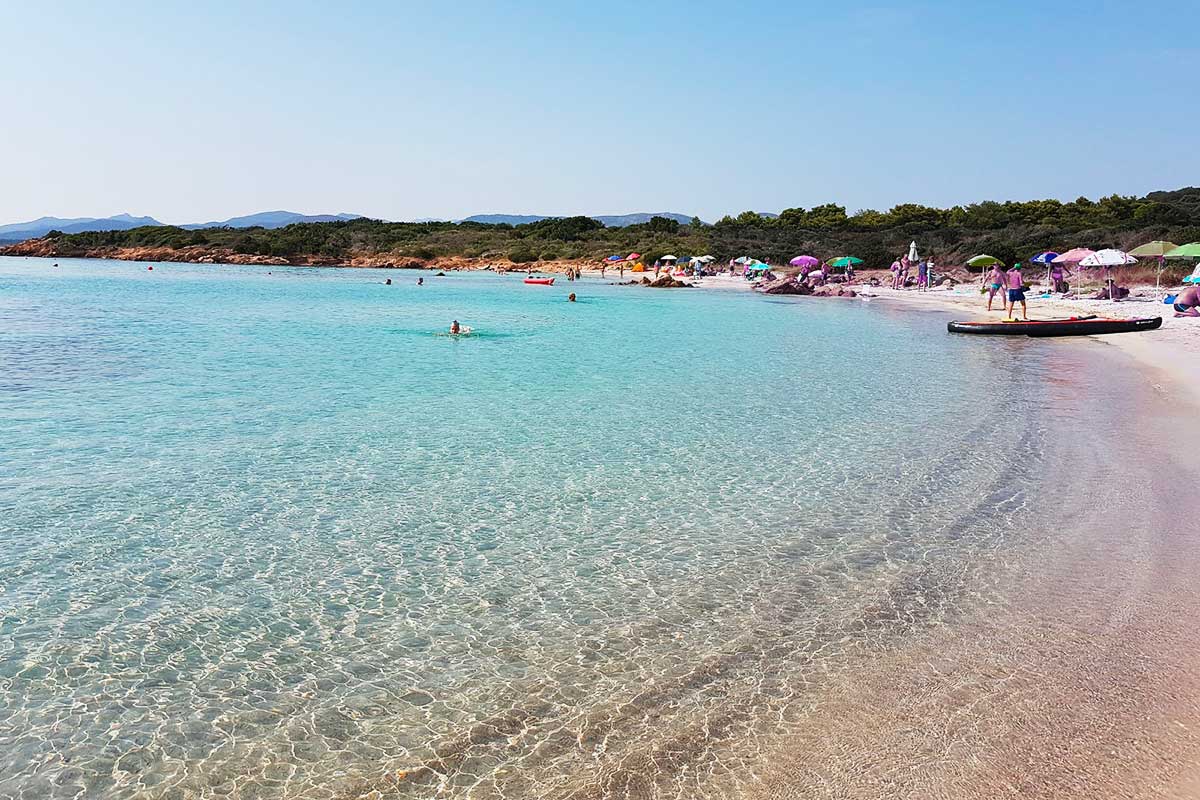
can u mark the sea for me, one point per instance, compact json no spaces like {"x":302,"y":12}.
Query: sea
{"x":270,"y":532}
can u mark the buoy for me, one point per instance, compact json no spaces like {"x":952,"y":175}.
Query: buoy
{"x":150,"y":269}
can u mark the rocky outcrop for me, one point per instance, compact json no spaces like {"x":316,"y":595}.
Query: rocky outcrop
{"x":667,"y":282}
{"x":786,"y":285}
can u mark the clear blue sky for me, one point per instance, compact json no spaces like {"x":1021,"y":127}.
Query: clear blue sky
{"x":199,"y":111}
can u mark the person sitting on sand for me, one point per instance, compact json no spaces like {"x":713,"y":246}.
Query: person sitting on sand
{"x":1187,"y":302}
{"x":455,"y":328}
{"x":995,"y":281}
{"x":1016,"y":292}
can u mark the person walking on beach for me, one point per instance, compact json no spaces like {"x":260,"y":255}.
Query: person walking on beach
{"x":922,"y":275}
{"x":1016,"y":292}
{"x":995,"y":279}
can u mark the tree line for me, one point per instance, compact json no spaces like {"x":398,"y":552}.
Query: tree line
{"x":1008,"y":230}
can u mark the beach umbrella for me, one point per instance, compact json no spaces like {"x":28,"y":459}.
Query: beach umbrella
{"x":1191,"y":250}
{"x":615,"y":258}
{"x":1108,"y":259}
{"x":912,"y":253}
{"x":633,"y":256}
{"x":1156,"y":249}
{"x":844,"y":261}
{"x":1045,"y":258}
{"x":1073,"y":256}
{"x":704,"y":259}
{"x":668,"y":258}
{"x":805,"y":261}
{"x":983,"y":261}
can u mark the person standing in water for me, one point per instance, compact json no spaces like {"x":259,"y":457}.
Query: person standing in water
{"x":1016,"y":292}
{"x":995,"y":279}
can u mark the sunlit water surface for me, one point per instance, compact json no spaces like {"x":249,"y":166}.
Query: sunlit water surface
{"x":264,"y":533}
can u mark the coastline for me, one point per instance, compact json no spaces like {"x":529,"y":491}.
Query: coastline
{"x":1172,"y":352}
{"x":1035,"y":685}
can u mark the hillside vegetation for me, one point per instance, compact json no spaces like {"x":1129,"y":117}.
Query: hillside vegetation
{"x":1008,"y":230}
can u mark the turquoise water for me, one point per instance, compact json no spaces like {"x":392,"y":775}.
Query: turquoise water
{"x":265,"y":534}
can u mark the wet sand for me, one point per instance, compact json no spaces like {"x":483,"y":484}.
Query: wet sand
{"x":1083,"y":680}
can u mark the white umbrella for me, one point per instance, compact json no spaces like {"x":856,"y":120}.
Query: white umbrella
{"x":704,"y":259}
{"x":912,"y":253}
{"x":1108,"y":259}
{"x":668,"y":258}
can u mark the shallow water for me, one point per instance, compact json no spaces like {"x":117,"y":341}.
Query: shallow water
{"x":268,"y":535}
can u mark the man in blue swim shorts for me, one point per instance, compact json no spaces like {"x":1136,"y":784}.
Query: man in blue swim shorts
{"x":1016,"y":292}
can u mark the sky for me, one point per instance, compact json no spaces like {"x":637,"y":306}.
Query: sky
{"x":190,"y":112}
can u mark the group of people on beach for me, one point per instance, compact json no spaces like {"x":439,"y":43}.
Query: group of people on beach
{"x":1012,"y":283}
{"x":903,"y":265}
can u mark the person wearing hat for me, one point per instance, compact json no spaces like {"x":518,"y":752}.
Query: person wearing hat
{"x":1016,"y":292}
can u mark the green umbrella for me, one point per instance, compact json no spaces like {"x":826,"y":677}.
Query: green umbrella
{"x":984,"y":261}
{"x":1184,"y":251}
{"x":1157,"y":250}
{"x":844,"y":261}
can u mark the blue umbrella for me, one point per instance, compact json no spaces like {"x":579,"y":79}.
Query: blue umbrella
{"x":1045,"y":258}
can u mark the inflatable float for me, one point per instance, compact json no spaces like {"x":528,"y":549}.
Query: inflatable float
{"x":540,"y":281}
{"x":1071,"y":326}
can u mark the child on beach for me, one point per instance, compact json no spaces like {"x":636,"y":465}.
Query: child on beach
{"x":922,"y":276}
{"x":995,"y":280}
{"x":1016,"y":292}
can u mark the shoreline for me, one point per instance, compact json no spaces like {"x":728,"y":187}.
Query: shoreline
{"x":1172,"y":351}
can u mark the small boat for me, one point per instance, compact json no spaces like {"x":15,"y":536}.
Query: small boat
{"x":1070,"y":326}
{"x":540,"y":281}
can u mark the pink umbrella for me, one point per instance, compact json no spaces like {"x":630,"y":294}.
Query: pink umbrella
{"x":1073,"y":256}
{"x":633,"y":256}
{"x":804,"y":261}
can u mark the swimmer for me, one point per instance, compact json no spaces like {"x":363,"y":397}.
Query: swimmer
{"x":388,"y":282}
{"x":420,"y":281}
{"x":571,"y":297}
{"x":1187,"y":302}
{"x":455,"y":328}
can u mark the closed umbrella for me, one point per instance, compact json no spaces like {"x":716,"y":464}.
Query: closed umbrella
{"x":912,"y":253}
{"x":1108,"y":259}
{"x":1156,"y":249}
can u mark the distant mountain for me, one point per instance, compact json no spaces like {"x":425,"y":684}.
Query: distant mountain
{"x":505,"y":219}
{"x":19,"y":231}
{"x":270,"y":219}
{"x":612,"y":221}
